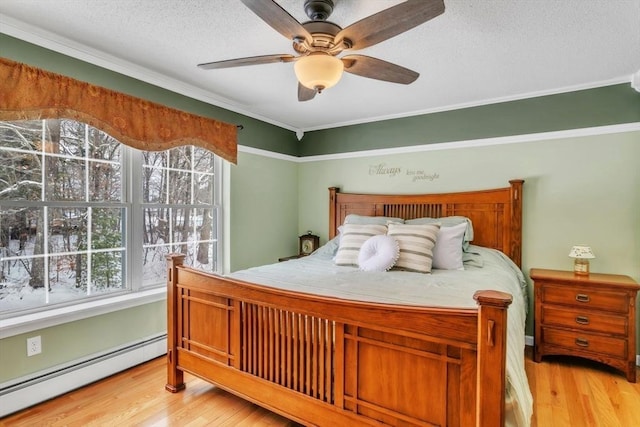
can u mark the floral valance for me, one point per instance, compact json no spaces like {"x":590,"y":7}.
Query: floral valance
{"x":28,"y":93}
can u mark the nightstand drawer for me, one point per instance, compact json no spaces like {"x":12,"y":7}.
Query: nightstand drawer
{"x":585,"y":342}
{"x":585,"y":320}
{"x":603,"y":300}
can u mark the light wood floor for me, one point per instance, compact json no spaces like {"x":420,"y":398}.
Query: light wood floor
{"x":567,"y":392}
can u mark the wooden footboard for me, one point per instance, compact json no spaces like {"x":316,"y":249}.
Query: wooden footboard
{"x":325,"y":361}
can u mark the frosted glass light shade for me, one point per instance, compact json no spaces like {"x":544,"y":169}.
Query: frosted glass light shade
{"x":581,"y":254}
{"x":318,"y":71}
{"x":581,"y":251}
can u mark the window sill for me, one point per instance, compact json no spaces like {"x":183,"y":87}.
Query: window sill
{"x":44,"y":319}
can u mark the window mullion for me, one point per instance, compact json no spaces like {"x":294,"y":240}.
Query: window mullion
{"x":134,"y":229}
{"x":45,"y":211}
{"x":89,"y":209}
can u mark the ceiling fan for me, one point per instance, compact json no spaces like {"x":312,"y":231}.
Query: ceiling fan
{"x":318,"y":42}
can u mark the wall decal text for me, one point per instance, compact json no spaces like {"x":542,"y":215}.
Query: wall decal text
{"x":382,"y":169}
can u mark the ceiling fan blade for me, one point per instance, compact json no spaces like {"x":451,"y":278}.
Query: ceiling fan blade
{"x":378,"y":69}
{"x":278,"y":18}
{"x":304,"y":93}
{"x":251,"y":60}
{"x":390,"y":22}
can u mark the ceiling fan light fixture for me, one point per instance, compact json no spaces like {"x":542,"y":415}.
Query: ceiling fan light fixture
{"x":318,"y":71}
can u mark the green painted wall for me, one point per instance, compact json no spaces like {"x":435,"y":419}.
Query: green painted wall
{"x":577,"y":190}
{"x":75,"y":340}
{"x":574,"y":110}
{"x":264,"y":210}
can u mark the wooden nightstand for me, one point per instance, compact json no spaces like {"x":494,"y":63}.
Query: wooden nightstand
{"x":590,"y":316}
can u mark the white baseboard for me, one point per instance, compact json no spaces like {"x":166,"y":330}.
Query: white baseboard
{"x":528,"y":340}
{"x":54,"y":382}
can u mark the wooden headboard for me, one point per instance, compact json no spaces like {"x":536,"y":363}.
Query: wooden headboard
{"x":496,"y":214}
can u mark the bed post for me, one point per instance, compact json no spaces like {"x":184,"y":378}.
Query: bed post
{"x":492,"y":357}
{"x":332,"y":212}
{"x":516,"y":221}
{"x":175,"y":377}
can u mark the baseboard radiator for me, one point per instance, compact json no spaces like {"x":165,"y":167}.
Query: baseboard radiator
{"x":37,"y":388}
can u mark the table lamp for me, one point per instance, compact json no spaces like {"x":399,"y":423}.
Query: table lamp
{"x":581,"y":255}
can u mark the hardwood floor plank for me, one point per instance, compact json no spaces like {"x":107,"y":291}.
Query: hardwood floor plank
{"x":559,"y":410}
{"x":574,"y":401}
{"x":542,"y":397}
{"x":627,"y":406}
{"x":567,"y":392}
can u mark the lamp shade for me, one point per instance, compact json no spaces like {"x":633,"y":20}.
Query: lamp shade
{"x":581,"y":251}
{"x":318,"y":70}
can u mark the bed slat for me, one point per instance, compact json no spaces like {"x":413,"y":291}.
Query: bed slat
{"x":292,"y":350}
{"x":411,"y":211}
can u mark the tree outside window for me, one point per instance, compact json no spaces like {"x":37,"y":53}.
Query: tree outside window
{"x":66,"y":217}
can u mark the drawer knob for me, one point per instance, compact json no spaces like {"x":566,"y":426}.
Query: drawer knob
{"x":582,"y":320}
{"x":582,"y":342}
{"x":582,"y":297}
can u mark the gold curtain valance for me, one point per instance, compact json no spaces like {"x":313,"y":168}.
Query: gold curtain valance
{"x":28,"y":93}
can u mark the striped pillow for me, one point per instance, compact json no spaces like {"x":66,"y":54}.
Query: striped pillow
{"x":351,"y":240}
{"x":416,"y":245}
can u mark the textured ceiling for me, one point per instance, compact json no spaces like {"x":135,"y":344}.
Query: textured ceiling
{"x":478,"y":51}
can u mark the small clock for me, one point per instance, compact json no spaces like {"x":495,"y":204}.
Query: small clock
{"x":308,"y":243}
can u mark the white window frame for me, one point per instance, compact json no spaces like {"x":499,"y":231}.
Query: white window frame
{"x":135,"y":295}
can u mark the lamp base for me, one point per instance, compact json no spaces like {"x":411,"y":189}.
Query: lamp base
{"x":581,"y":267}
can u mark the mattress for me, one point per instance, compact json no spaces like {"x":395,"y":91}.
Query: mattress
{"x":317,"y":274}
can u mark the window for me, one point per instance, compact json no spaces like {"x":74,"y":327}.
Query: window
{"x":83,"y":216}
{"x":178,"y":210}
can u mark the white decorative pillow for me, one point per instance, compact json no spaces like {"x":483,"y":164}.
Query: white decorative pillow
{"x":416,"y":245}
{"x":447,"y":254}
{"x":352,"y":238}
{"x":449,"y":221}
{"x":378,"y":253}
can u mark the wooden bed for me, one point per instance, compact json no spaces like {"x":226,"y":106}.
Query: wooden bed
{"x":327,"y":361}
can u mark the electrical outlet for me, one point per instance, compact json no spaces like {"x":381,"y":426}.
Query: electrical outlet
{"x":34,"y":346}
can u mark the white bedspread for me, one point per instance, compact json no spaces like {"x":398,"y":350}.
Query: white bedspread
{"x":317,"y":274}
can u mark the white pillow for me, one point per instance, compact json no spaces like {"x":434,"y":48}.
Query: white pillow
{"x":447,"y":254}
{"x":352,"y":238}
{"x":449,"y":221}
{"x":416,"y":245}
{"x":378,"y":253}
